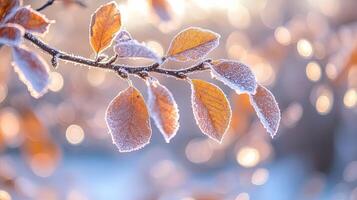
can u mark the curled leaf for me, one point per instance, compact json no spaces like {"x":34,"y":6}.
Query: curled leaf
{"x":32,"y":70}
{"x":7,"y":8}
{"x":31,"y":20}
{"x":163,"y":109}
{"x":126,"y":47}
{"x":128,"y":120}
{"x":192,"y":44}
{"x":211,"y":109}
{"x":234,"y":74}
{"x":267,"y":109}
{"x":11,"y":34}
{"x":105,"y":24}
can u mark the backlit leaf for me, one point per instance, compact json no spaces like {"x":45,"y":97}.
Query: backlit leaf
{"x":163,"y":109}
{"x":162,"y":9}
{"x":7,"y":8}
{"x":11,"y":34}
{"x":31,"y":20}
{"x":105,"y":24}
{"x":267,"y":109}
{"x":126,"y":47}
{"x":32,"y":70}
{"x":40,"y":151}
{"x":128,"y":120}
{"x":234,"y":74}
{"x":192,"y":44}
{"x":210,"y":108}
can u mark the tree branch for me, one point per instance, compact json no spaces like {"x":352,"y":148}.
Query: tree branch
{"x":44,"y":6}
{"x":122,"y":70}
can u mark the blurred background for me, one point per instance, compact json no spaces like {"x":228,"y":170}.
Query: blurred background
{"x":58,"y":147}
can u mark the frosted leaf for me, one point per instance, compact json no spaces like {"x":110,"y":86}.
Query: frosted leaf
{"x":11,"y":34}
{"x":7,"y":9}
{"x":122,"y":36}
{"x":128,"y":120}
{"x":234,"y":74}
{"x":32,"y":70}
{"x":133,"y":49}
{"x":267,"y":109}
{"x":105,"y":24}
{"x":31,"y":20}
{"x":192,"y":44}
{"x":163,"y":109}
{"x":211,"y":109}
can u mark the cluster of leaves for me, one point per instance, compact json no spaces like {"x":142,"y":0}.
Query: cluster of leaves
{"x":15,"y":19}
{"x":128,"y":116}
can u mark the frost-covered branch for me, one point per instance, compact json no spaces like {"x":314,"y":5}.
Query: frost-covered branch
{"x":122,"y":70}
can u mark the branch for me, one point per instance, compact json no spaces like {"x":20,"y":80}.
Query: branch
{"x":44,"y":6}
{"x":121,"y":70}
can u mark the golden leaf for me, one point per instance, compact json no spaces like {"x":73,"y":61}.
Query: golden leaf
{"x":7,"y":7}
{"x":163,"y":109}
{"x":211,"y":109}
{"x":267,"y":109}
{"x":128,"y":120}
{"x":105,"y":24}
{"x":192,"y":44}
{"x":31,"y":20}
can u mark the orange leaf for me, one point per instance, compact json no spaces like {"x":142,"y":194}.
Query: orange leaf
{"x":32,"y":70}
{"x":128,"y":120}
{"x":105,"y":24}
{"x":41,"y":153}
{"x":31,"y":20}
{"x":192,"y":44}
{"x":11,"y":34}
{"x":7,"y":7}
{"x":163,"y":109}
{"x":267,"y":109}
{"x":234,"y":74}
{"x":162,"y":9}
{"x":211,"y":109}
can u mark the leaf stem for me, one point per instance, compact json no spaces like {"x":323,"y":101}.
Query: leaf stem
{"x":119,"y":69}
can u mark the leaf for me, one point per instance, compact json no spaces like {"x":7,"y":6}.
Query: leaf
{"x":267,"y":109}
{"x":128,"y":120}
{"x":126,"y":47}
{"x":234,"y":74}
{"x":211,"y":109}
{"x":192,"y":44}
{"x":32,"y":70}
{"x":163,"y":109}
{"x":39,"y":148}
{"x":11,"y":34}
{"x":7,"y":8}
{"x":162,"y":9}
{"x":31,"y":20}
{"x":105,"y":24}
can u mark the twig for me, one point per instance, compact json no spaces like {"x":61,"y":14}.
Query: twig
{"x":48,"y":3}
{"x":119,"y":69}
